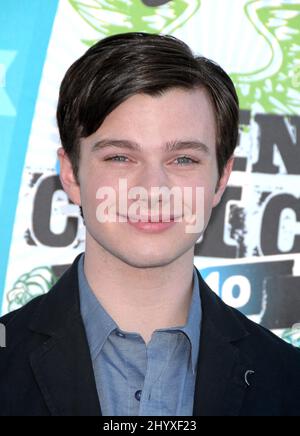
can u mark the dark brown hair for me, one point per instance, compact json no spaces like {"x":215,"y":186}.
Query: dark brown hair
{"x":122,"y":65}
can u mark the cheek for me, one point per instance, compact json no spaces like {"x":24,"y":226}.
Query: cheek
{"x":209,"y":185}
{"x":204,"y":186}
{"x":94,"y":189}
{"x":203,"y":197}
{"x":209,"y":198}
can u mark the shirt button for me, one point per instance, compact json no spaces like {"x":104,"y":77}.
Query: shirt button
{"x":138,"y":395}
{"x":121,"y":335}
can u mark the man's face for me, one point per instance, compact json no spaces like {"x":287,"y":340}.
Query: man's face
{"x":152,"y":122}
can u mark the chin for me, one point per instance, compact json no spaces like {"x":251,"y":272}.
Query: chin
{"x":139,"y":257}
{"x":147,"y":253}
{"x":145,"y":263}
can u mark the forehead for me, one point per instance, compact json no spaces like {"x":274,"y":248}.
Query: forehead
{"x":178,"y":113}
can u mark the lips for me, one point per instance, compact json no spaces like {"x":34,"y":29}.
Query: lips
{"x":149,"y":219}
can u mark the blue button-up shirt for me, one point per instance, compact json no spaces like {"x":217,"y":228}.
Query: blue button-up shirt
{"x":135,"y":379}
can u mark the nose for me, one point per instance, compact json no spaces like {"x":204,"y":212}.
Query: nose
{"x":153,"y":176}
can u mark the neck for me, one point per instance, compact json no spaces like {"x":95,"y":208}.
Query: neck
{"x":140,"y":299}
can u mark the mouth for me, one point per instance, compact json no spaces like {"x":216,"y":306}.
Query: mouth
{"x":153,"y":219}
{"x":147,"y":224}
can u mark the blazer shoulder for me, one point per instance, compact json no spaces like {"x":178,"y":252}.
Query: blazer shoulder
{"x":51,"y":306}
{"x":267,"y":341}
{"x":23,"y":314}
{"x":18,"y":334}
{"x":257,"y":341}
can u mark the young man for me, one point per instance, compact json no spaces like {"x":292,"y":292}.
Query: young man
{"x":132,"y":328}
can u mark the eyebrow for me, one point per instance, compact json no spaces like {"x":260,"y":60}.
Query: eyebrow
{"x":169,"y":146}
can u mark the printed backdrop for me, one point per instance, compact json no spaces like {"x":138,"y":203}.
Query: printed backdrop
{"x":250,"y":254}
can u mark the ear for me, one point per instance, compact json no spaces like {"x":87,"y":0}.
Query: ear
{"x":223,"y":182}
{"x":67,"y":177}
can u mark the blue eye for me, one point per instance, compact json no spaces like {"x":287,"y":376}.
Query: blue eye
{"x":122,"y":159}
{"x":191,"y":161}
{"x":117,"y":157}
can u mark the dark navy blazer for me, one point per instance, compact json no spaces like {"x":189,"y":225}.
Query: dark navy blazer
{"x":46,"y":368}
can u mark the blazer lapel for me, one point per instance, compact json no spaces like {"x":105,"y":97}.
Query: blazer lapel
{"x":62,"y":365}
{"x":220,"y":383}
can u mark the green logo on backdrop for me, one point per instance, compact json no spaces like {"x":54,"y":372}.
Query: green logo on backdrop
{"x":274,"y":88}
{"x":109,"y":17}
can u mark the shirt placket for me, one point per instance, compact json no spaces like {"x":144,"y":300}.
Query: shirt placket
{"x":158,"y":354}
{"x":136,"y":363}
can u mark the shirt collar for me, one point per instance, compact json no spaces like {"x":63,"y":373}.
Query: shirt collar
{"x":99,"y":324}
